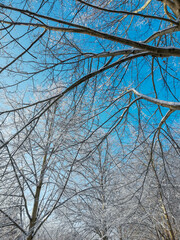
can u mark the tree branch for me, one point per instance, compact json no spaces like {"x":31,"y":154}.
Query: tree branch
{"x":162,"y":52}
{"x":127,"y":13}
{"x":167,"y":104}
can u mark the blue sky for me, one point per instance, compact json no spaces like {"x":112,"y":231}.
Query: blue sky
{"x":136,"y":74}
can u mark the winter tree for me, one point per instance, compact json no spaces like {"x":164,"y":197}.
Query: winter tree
{"x":111,"y":70}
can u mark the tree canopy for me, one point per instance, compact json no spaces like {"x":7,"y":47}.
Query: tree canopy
{"x":90,"y":118}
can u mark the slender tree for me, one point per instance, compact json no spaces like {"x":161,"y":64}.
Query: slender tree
{"x":37,"y":171}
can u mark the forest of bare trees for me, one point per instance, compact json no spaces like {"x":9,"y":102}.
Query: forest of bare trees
{"x":89,"y":120}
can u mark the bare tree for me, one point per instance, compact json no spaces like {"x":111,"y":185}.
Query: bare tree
{"x":125,"y":201}
{"x":37,"y":171}
{"x":114,"y":62}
